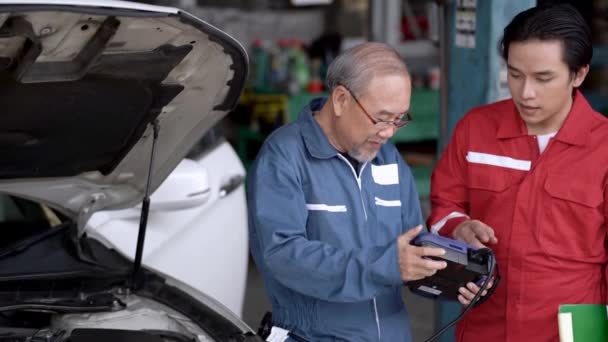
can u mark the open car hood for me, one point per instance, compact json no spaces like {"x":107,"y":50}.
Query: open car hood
{"x":82,"y":84}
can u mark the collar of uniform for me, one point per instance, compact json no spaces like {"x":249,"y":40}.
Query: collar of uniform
{"x":577,"y":127}
{"x":511,"y":124}
{"x":314,"y":137}
{"x":574,"y":131}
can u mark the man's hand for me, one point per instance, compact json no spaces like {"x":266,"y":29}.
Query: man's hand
{"x":412,"y":263}
{"x":467,"y":293}
{"x":475,"y":233}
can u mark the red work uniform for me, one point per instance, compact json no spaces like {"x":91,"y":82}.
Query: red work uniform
{"x":549,"y":212}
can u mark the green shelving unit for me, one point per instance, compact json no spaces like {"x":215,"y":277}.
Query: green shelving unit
{"x":297,"y":102}
{"x":424,"y":108}
{"x":422,"y":178}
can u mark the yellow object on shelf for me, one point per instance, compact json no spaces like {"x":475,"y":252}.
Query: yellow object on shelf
{"x":267,"y":108}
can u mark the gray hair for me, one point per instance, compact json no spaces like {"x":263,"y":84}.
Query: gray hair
{"x":355,"y":67}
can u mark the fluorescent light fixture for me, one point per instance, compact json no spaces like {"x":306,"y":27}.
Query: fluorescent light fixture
{"x":310,"y":2}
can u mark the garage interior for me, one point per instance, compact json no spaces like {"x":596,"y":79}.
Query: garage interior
{"x":443,"y":42}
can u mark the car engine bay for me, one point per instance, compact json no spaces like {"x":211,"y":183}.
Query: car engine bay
{"x":132,"y":318}
{"x":105,"y":99}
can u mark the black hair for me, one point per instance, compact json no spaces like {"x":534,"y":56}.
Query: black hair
{"x":561,"y":22}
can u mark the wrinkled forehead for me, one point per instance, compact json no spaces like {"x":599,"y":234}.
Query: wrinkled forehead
{"x":379,"y":84}
{"x":389,"y":94}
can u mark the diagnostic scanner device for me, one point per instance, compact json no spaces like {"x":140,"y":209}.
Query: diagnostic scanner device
{"x":464,"y":264}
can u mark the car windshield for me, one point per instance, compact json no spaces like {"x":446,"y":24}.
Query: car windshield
{"x":21,"y":219}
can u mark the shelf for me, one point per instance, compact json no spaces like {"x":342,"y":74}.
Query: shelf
{"x":425,"y":114}
{"x":296,"y":103}
{"x":422,"y":178}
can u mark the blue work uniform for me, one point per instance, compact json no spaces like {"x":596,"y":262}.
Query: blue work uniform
{"x":324,"y":235}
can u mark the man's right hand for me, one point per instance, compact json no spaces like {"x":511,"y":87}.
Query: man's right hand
{"x":475,"y":233}
{"x":412,"y":262}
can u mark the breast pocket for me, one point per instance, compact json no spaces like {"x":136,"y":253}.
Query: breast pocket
{"x":387,"y":205}
{"x":572,"y":219}
{"x":487,"y":190}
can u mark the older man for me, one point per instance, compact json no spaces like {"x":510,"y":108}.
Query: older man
{"x":331,"y":206}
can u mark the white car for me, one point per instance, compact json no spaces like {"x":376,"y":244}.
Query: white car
{"x":101,"y":103}
{"x":197,"y":227}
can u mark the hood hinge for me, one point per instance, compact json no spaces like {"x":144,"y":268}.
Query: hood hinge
{"x":87,"y":211}
{"x":84,"y":215}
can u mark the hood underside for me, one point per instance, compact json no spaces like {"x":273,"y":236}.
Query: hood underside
{"x":81,"y":83}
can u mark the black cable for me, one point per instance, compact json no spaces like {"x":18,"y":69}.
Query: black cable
{"x":493,"y":265}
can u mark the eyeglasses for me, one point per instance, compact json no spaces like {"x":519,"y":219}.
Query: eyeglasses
{"x":381,"y":124}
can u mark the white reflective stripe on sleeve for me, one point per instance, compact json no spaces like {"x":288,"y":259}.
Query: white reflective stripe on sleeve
{"x":437,"y":226}
{"x":325,"y":207}
{"x":385,"y":203}
{"x":500,"y":161}
{"x":277,"y":335}
{"x":566,"y":331}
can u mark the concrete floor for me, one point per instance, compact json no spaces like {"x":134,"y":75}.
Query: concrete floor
{"x":422,"y":310}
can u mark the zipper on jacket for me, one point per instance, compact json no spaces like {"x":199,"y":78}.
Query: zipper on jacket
{"x":358,"y":178}
{"x":377,"y":319}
